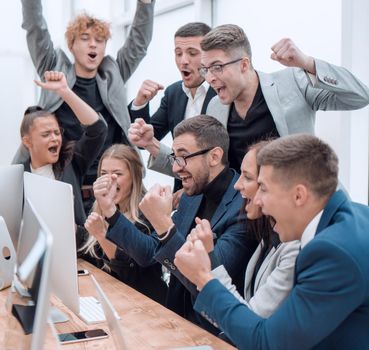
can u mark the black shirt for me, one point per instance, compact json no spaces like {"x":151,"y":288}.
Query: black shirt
{"x":256,"y":126}
{"x":213,"y":194}
{"x":87,"y":90}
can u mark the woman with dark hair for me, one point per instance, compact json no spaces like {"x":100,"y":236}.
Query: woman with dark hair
{"x":125,"y":163}
{"x":41,"y":134}
{"x":270,"y":271}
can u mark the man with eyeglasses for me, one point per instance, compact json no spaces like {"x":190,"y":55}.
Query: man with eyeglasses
{"x":259,"y":105}
{"x":200,"y":160}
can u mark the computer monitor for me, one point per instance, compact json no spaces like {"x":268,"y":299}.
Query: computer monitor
{"x":111,"y":317}
{"x":7,"y":256}
{"x":11,"y":202}
{"x":53,"y":200}
{"x":34,"y":260}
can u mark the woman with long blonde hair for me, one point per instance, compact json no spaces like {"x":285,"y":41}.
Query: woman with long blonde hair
{"x":125,"y":163}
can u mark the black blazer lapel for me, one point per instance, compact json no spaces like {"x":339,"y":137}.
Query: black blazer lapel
{"x":209,"y":95}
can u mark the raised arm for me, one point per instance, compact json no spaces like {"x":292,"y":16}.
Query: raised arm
{"x":139,"y":38}
{"x":40,"y":45}
{"x":56,"y":82}
{"x":328,"y":87}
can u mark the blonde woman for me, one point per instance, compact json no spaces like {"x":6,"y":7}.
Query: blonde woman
{"x":125,"y":163}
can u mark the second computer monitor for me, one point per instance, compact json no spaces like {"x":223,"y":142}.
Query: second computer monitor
{"x":11,"y":192}
{"x":53,"y":200}
{"x":34,"y":261}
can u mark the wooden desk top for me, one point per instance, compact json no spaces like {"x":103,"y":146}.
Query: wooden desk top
{"x":146,"y":324}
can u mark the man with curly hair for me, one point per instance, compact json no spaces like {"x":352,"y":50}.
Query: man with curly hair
{"x":95,"y":77}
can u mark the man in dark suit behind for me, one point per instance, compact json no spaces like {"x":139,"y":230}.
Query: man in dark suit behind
{"x":328,"y":307}
{"x":182,"y":99}
{"x":201,"y":160}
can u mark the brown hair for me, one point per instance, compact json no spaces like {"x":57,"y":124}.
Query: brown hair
{"x":208,"y":132}
{"x":30,"y":114}
{"x":83,"y":22}
{"x":229,"y":38}
{"x":192,"y":29}
{"x":303,"y":159}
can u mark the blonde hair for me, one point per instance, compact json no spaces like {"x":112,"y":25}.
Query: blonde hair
{"x":130,"y":157}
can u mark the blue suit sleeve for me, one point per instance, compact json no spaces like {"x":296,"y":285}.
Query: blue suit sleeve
{"x":138,"y":245}
{"x":328,"y":288}
{"x":232,"y":247}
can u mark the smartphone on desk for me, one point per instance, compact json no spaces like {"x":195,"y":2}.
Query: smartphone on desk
{"x":75,"y":337}
{"x":83,"y":272}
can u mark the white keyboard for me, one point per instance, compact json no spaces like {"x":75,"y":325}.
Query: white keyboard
{"x":90,"y":310}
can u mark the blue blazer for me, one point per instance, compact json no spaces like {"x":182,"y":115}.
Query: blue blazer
{"x":171,"y":111}
{"x":233,"y":248}
{"x":328,"y":307}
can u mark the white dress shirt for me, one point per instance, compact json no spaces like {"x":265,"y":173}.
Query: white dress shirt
{"x":194,"y":104}
{"x":310,"y":230}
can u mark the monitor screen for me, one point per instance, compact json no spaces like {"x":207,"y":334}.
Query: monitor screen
{"x":33,"y":270}
{"x":11,"y":190}
{"x":53,"y":200}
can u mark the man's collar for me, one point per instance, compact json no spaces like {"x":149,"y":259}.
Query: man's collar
{"x":310,"y":230}
{"x":202,"y":89}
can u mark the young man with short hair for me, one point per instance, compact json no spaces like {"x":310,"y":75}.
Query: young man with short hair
{"x":183,"y":99}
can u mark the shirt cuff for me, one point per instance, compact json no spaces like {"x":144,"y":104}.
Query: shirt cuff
{"x":170,"y":233}
{"x":137,"y":108}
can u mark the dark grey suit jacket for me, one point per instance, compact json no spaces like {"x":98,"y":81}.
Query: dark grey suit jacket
{"x":171,"y":111}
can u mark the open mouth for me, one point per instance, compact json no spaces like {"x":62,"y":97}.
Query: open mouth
{"x":53,"y":149}
{"x":186,"y":73}
{"x":92,"y":55}
{"x":185,"y":179}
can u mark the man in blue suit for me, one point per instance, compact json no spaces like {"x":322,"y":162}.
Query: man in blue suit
{"x":183,"y":99}
{"x":328,"y":308}
{"x":200,"y":159}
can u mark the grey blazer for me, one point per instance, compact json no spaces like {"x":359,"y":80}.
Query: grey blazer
{"x":112,"y":73}
{"x":273,"y":282}
{"x":293,"y":97}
